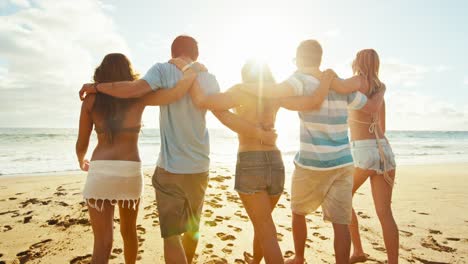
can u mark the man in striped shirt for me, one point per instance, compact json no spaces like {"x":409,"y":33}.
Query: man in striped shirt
{"x":324,"y":165}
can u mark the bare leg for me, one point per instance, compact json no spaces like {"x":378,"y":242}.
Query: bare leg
{"x":259,"y":210}
{"x":299,"y":228}
{"x":174,"y":251}
{"x":128,"y":218}
{"x":257,"y":247}
{"x":190,"y":242}
{"x":102,"y":224}
{"x":342,"y":243}
{"x":382,"y":193}
{"x":359,"y":177}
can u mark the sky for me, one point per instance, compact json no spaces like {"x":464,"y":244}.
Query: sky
{"x":49,"y":48}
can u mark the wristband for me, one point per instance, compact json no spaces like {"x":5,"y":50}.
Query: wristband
{"x":188,"y":66}
{"x":95,"y":87}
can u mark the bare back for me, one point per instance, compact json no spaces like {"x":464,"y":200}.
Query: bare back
{"x":125,"y":142}
{"x":360,"y":121}
{"x":260,"y":112}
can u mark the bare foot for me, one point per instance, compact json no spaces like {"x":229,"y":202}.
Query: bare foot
{"x":358,"y":259}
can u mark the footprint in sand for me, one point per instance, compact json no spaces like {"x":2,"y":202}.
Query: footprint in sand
{"x":7,"y":228}
{"x":239,"y":261}
{"x":225,"y":237}
{"x":216,"y":260}
{"x":211,"y":223}
{"x":422,"y":213}
{"x":239,"y":214}
{"x":117,"y":251}
{"x":430,"y":242}
{"x":405,"y":233}
{"x":15,"y":212}
{"x":141,"y":229}
{"x":453,"y":239}
{"x":12,"y":198}
{"x":227,"y":250}
{"x":288,"y":254}
{"x":27,"y":219}
{"x":209,"y":245}
{"x":435,"y":232}
{"x":35,"y":251}
{"x":381,"y":249}
{"x":279,"y":236}
{"x":81,"y":259}
{"x":363,"y":215}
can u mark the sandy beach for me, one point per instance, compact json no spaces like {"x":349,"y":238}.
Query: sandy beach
{"x":44,"y":220}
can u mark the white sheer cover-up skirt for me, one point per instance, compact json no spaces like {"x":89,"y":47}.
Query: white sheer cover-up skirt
{"x":115,"y":181}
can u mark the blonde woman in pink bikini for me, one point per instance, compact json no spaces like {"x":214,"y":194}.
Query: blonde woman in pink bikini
{"x":372,"y":154}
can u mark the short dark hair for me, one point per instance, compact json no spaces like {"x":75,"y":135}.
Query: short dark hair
{"x":309,"y":53}
{"x":184,"y":46}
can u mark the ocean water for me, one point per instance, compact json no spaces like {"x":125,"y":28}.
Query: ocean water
{"x":33,"y":150}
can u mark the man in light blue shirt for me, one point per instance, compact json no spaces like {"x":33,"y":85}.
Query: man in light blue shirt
{"x":181,"y":175}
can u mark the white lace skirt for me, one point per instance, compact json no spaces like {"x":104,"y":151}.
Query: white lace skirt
{"x":114,"y":181}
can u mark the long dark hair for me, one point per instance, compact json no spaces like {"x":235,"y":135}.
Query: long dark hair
{"x":114,"y":67}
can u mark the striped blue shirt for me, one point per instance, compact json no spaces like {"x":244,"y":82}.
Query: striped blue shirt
{"x":324,"y":133}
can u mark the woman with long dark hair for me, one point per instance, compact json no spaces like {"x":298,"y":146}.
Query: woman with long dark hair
{"x":114,"y":172}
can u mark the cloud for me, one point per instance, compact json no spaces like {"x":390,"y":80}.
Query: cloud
{"x":409,"y":110}
{"x":397,"y":72}
{"x":50,"y":49}
{"x":20,"y":3}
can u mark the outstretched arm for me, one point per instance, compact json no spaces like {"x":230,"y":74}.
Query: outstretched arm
{"x":347,"y":86}
{"x":216,"y":102}
{"x":84,"y":132}
{"x":167,"y":96}
{"x":281,"y":90}
{"x":241,"y":126}
{"x":310,"y":102}
{"x":127,"y":89}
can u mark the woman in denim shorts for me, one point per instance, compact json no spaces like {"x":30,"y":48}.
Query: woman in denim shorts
{"x":259,"y":169}
{"x":372,"y":154}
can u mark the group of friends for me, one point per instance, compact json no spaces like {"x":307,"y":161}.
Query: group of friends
{"x":329,"y":166}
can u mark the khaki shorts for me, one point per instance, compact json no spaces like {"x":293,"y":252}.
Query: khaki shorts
{"x":180,"y":200}
{"x":332,"y":189}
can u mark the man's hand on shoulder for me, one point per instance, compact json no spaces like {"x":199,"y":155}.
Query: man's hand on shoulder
{"x":328,"y":74}
{"x":88,"y":88}
{"x":182,"y":64}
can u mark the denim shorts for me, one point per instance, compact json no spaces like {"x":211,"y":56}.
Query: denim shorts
{"x":366,"y":155}
{"x":258,"y":171}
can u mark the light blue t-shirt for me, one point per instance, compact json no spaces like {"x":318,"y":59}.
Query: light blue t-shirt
{"x":185,"y":143}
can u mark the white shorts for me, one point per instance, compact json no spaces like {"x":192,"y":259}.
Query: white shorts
{"x":113,"y":180}
{"x":366,"y":155}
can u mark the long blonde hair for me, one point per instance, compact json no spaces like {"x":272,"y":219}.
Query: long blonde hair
{"x":367,"y":64}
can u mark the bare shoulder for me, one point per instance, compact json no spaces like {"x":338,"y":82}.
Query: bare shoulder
{"x":361,"y":83}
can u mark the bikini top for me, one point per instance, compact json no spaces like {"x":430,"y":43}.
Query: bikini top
{"x":134,"y":129}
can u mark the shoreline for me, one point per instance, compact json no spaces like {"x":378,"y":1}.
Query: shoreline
{"x":147,"y":167}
